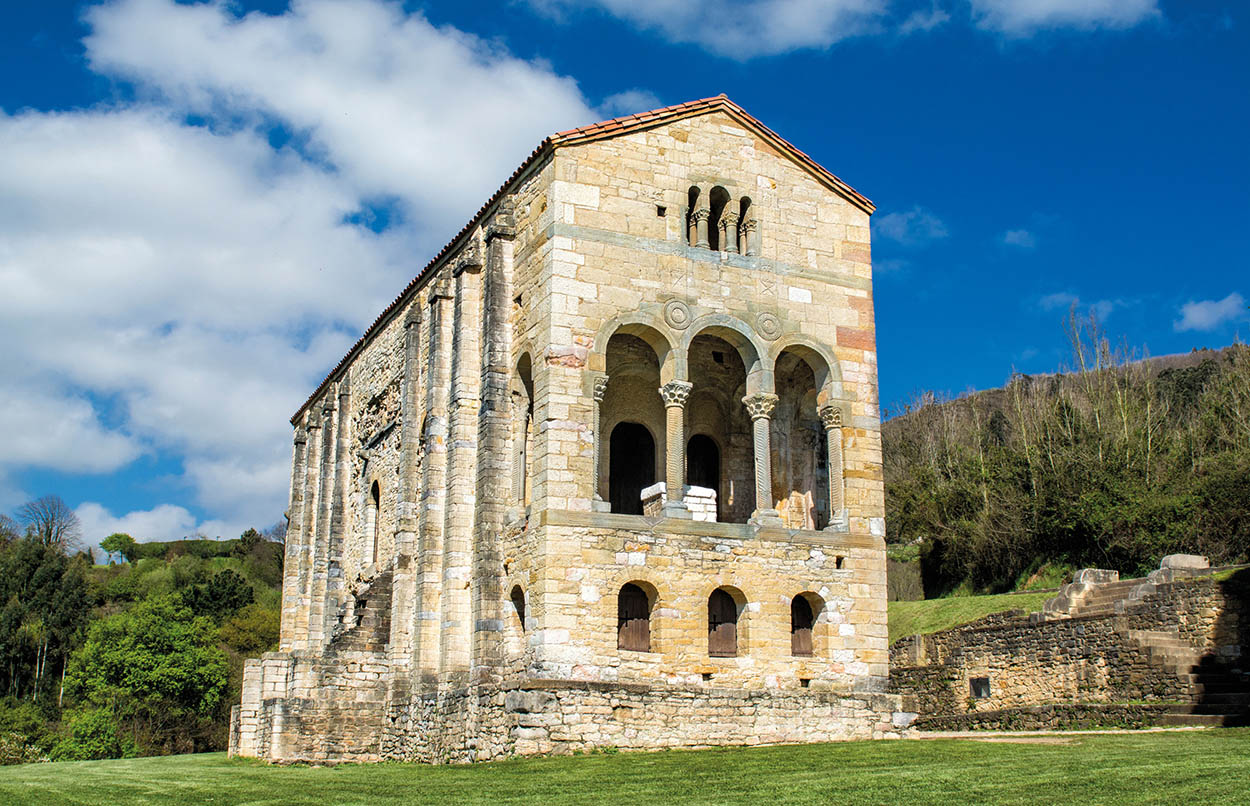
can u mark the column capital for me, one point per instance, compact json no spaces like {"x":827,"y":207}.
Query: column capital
{"x":749,"y":225}
{"x":831,"y":416}
{"x":760,"y":405}
{"x":676,"y":393}
{"x":700,"y":214}
{"x":601,"y":387}
{"x":729,"y":218}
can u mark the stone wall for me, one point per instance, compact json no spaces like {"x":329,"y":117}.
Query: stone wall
{"x":1083,"y":659}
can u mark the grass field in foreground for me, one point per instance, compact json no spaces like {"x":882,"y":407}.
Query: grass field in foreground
{"x":931,"y":615}
{"x":1207,"y":767}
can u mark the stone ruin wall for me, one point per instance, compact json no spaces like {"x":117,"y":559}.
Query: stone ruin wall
{"x":460,"y":677}
{"x":1073,"y":661}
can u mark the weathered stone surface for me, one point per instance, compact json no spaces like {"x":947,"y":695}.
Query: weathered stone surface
{"x":456,"y":578}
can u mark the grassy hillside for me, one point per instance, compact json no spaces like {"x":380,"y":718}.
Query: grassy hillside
{"x":1112,"y":464}
{"x":131,"y":658}
{"x":1145,"y":768}
{"x":934,"y":615}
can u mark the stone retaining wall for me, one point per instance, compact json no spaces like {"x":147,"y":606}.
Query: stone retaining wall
{"x":1091,"y":659}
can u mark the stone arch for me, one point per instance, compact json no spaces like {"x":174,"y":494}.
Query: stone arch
{"x":820,"y":358}
{"x":651,"y":329}
{"x":801,"y":461}
{"x":742,"y":338}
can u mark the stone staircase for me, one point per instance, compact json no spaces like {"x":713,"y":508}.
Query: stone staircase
{"x":365,"y":621}
{"x":1218,"y":694}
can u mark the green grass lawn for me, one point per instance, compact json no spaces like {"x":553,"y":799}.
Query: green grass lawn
{"x":1207,"y":767}
{"x":932,"y":615}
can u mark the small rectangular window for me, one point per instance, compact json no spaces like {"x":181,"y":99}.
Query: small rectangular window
{"x":980,"y":687}
{"x":661,"y":210}
{"x":805,"y":682}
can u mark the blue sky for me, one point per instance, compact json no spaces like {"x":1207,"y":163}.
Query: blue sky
{"x":202,"y":205}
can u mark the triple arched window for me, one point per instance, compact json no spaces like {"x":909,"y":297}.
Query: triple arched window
{"x":717,"y":221}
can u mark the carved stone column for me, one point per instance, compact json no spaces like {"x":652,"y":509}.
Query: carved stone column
{"x":831,"y":416}
{"x":750,"y":240}
{"x":675,"y":394}
{"x":701,"y":217}
{"x":600,"y":389}
{"x":760,"y":406}
{"x":729,"y":231}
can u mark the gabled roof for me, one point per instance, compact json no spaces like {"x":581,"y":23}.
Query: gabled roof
{"x":588,"y":134}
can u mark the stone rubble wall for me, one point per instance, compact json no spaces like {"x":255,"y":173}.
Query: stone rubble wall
{"x":1090,"y":659}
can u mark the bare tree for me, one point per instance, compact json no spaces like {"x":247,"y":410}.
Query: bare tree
{"x":9,"y":530}
{"x":52,"y":521}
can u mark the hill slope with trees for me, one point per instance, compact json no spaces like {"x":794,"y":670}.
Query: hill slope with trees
{"x":139,"y":657}
{"x":1112,"y":464}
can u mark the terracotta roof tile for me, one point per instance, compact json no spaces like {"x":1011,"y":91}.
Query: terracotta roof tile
{"x":585,"y":134}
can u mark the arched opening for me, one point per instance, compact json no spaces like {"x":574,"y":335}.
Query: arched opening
{"x":802,"y":622}
{"x":721,"y":458}
{"x":692,"y":228}
{"x":722,"y":624}
{"x":633,"y":360}
{"x":718,"y":198}
{"x":745,"y":246}
{"x":371,"y":521}
{"x":631,"y":467}
{"x":800,"y":461}
{"x":633,"y":619}
{"x":518,"y":606}
{"x":523,"y":429}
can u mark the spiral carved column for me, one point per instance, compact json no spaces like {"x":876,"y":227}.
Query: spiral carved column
{"x":760,"y":406}
{"x":831,"y":416}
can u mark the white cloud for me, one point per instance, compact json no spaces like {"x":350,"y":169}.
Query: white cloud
{"x":922,"y":20}
{"x":1020,"y":237}
{"x":912,"y":228}
{"x":1019,"y":18}
{"x":176,"y":289}
{"x":629,"y":102}
{"x":1209,"y":314}
{"x":745,"y":28}
{"x":165,"y":522}
{"x":433,"y":116}
{"x":1060,"y":300}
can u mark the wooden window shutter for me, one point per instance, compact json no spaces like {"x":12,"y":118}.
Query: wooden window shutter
{"x":633,"y":619}
{"x":722,"y":625}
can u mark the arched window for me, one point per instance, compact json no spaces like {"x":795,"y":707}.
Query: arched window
{"x":631,"y":467}
{"x":692,"y":227}
{"x":722,"y":624}
{"x":718,"y":198}
{"x":371,"y":522}
{"x":633,"y":619}
{"x":703,"y":465}
{"x":746,"y":232}
{"x":802,"y":620}
{"x":518,"y":605}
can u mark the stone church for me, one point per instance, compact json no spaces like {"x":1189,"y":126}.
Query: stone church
{"x":607,"y":473}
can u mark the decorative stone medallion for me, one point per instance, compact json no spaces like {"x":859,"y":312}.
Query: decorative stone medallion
{"x":677,"y":314}
{"x":768,"y":326}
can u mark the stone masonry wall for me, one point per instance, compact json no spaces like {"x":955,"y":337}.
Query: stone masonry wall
{"x":1091,"y":659}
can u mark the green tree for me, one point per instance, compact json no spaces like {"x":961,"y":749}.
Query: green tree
{"x":225,"y":593}
{"x":251,"y":631}
{"x":157,"y":669}
{"x":120,"y":543}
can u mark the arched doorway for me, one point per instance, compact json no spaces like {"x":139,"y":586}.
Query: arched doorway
{"x":631,"y":467}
